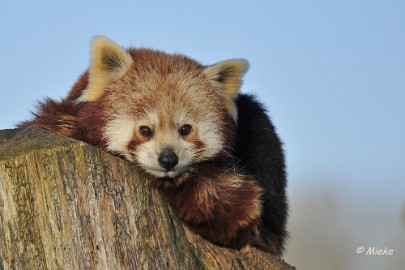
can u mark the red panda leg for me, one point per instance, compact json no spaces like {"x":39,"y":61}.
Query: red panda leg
{"x":223,"y":207}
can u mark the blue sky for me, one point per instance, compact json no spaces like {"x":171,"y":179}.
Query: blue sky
{"x":332,"y":73}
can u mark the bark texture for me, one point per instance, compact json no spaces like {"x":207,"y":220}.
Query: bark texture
{"x":66,"y":205}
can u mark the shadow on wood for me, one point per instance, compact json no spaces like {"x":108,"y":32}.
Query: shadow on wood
{"x":66,"y":205}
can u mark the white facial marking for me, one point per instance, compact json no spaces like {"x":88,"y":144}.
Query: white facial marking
{"x":181,"y":117}
{"x":209,"y":135}
{"x":119,"y":133}
{"x":153,"y":118}
{"x":147,"y":155}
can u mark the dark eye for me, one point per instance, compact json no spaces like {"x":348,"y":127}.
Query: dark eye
{"x":146,"y":131}
{"x":185,"y":130}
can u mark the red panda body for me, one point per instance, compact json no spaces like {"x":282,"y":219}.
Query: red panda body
{"x":175,"y":119}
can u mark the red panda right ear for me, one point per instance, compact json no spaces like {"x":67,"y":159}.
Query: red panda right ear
{"x":226,"y":77}
{"x":109,"y":61}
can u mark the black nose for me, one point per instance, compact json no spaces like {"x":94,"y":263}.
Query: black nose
{"x":168,"y":159}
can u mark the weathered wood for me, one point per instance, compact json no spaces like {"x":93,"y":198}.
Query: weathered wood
{"x":66,"y":205}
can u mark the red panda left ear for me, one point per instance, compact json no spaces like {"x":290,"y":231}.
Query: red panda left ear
{"x":226,"y":77}
{"x":109,"y":61}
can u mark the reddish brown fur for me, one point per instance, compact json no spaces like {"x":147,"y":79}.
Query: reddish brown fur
{"x":213,"y":201}
{"x":79,"y":121}
{"x":224,"y":207}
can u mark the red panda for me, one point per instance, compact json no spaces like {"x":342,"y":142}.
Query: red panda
{"x":212,"y":153}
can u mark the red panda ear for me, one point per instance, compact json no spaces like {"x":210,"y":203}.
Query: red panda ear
{"x":226,"y":76}
{"x":109,"y":61}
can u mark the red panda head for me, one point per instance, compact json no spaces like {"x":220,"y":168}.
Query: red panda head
{"x":164,"y":112}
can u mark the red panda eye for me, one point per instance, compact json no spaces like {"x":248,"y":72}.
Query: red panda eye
{"x":146,"y":131}
{"x":185,"y":130}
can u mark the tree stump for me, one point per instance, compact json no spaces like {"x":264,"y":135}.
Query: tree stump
{"x":67,"y":205}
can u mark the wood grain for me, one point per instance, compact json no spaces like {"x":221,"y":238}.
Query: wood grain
{"x":66,"y":205}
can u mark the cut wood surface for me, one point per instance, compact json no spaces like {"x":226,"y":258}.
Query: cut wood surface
{"x":67,"y":205}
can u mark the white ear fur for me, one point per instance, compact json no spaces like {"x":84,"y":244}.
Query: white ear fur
{"x":109,"y":61}
{"x":226,"y":76}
